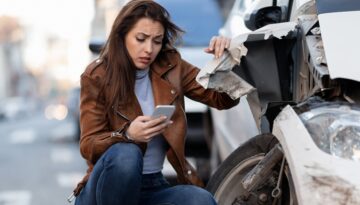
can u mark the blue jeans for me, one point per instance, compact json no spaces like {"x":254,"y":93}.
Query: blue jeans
{"x":117,"y":179}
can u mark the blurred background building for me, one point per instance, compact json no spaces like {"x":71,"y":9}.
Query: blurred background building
{"x":43,"y":47}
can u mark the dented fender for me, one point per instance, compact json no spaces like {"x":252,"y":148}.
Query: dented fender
{"x":319,"y":177}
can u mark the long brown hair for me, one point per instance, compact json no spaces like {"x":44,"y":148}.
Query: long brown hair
{"x":119,"y":80}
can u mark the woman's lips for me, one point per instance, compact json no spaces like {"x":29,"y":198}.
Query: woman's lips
{"x":145,"y":60}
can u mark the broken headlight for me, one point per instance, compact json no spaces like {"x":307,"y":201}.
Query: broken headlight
{"x":335,"y":129}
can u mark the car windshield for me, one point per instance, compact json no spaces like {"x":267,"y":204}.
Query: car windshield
{"x":200,"y":19}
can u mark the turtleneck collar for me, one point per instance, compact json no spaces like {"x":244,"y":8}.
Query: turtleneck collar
{"x":140,"y":74}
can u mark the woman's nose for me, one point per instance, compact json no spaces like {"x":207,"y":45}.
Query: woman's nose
{"x":148,"y":47}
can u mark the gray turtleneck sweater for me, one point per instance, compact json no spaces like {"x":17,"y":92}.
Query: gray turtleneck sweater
{"x":156,"y":149}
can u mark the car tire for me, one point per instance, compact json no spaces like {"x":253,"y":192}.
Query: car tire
{"x":225,"y":184}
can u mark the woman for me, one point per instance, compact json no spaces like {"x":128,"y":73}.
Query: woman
{"x":124,"y":147}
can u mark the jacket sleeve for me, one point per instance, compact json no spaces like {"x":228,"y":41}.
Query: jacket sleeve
{"x":96,"y":134}
{"x":194,"y":91}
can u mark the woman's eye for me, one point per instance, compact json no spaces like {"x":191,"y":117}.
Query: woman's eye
{"x":140,"y":39}
{"x":158,"y":42}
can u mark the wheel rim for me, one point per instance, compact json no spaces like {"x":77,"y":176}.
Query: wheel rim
{"x":230,"y":188}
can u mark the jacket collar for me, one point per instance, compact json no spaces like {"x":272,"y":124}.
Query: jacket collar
{"x":163,"y":66}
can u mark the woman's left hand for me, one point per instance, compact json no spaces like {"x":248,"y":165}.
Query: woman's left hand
{"x":217,"y":45}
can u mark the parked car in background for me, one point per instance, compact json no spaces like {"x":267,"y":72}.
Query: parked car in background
{"x":13,"y":107}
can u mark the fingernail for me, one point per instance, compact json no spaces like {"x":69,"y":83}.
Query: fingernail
{"x":171,"y":122}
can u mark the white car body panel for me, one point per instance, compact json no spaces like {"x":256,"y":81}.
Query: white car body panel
{"x":241,"y":122}
{"x":324,"y":179}
{"x":342,"y":56}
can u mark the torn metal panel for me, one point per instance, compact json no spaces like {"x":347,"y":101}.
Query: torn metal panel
{"x":237,"y":87}
{"x":233,"y":84}
{"x":316,"y":60}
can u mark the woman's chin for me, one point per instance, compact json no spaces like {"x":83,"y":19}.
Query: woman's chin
{"x":142,"y":66}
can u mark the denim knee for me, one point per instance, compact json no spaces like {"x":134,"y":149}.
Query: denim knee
{"x":203,"y":197}
{"x":116,"y":174}
{"x":193,"y":195}
{"x":125,"y":159}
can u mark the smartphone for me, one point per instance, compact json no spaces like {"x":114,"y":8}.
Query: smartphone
{"x":163,"y":110}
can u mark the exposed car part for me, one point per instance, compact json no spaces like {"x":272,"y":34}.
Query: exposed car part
{"x":226,"y":183}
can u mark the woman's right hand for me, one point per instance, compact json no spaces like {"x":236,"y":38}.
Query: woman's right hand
{"x":144,"y":128}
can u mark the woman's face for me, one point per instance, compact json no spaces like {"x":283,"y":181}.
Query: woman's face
{"x":144,"y":42}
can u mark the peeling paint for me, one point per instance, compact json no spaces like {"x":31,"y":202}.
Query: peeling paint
{"x":278,"y":30}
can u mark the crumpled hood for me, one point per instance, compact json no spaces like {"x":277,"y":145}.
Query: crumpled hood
{"x":341,"y":37}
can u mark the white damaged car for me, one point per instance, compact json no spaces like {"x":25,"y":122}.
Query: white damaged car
{"x":302,"y":62}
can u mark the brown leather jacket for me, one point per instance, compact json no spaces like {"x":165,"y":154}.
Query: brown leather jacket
{"x":171,"y":80}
